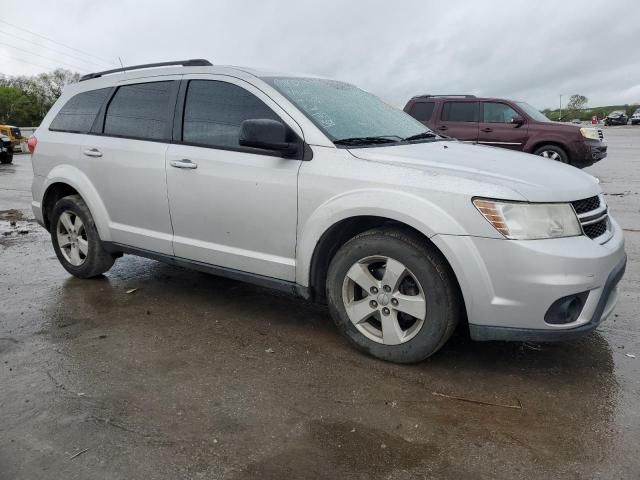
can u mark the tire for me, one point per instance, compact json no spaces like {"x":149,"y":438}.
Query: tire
{"x":6,"y":160}
{"x":552,"y":152}
{"x":92,"y":259}
{"x":427,"y":276}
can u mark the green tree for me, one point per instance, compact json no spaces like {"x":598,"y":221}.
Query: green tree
{"x":38,"y":94}
{"x":576,"y":103}
{"x":17,"y":108}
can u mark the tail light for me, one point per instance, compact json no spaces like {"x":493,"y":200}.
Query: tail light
{"x":31,"y":144}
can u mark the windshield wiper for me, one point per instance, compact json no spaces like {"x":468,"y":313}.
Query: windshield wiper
{"x":421,"y":136}
{"x":368,"y":140}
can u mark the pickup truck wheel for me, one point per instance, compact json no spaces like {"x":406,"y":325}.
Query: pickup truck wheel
{"x":6,"y":160}
{"x":392,"y":295}
{"x":552,"y":152}
{"x":75,"y":239}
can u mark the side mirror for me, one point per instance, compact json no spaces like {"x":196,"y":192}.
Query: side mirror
{"x":517,"y":120}
{"x":267,"y":134}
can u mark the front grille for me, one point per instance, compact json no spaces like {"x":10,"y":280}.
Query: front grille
{"x":595,"y":229}
{"x":593,"y":217}
{"x":586,"y":205}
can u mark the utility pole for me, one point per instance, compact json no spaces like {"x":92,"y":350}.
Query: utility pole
{"x":560,"y":117}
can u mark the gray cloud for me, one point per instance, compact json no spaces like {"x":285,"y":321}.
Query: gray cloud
{"x":518,"y":49}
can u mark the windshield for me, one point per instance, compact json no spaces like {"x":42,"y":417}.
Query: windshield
{"x":343,"y":111}
{"x":533,"y":112}
{"x":615,"y":112}
{"x":16,"y":132}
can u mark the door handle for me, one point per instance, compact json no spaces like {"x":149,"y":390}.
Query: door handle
{"x":487,"y":130}
{"x":92,"y":152}
{"x":443,"y":127}
{"x":184,"y":163}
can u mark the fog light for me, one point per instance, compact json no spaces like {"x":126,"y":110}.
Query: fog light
{"x":566,"y":309}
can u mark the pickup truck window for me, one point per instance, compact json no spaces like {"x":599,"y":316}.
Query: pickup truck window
{"x":343,"y":111}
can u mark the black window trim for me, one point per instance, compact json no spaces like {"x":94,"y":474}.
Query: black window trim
{"x":304,"y":153}
{"x":477,"y":120}
{"x":481,"y":111}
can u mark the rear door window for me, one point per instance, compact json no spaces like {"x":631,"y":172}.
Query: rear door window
{"x":141,"y":111}
{"x":79,"y":112}
{"x":422,"y":111}
{"x":460,"y":112}
{"x":214,"y":111}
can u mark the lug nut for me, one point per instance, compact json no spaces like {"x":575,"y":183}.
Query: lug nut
{"x":374,"y":290}
{"x":373,"y":304}
{"x":385,"y":310}
{"x":386,"y":288}
{"x":394,"y":301}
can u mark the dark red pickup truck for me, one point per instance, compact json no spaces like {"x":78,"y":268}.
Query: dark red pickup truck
{"x":504,"y":123}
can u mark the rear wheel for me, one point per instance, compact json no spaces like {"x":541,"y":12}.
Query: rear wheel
{"x":552,"y":152}
{"x":6,"y":159}
{"x":393,"y":295}
{"x":75,"y":239}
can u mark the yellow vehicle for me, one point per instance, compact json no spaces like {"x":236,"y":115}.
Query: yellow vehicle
{"x":13,"y":133}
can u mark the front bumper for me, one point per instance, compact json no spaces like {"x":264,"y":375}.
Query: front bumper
{"x":508,"y":286}
{"x":588,"y":152}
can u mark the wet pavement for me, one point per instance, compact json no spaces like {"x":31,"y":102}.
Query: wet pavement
{"x":194,"y":376}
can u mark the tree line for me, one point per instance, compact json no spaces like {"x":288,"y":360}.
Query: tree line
{"x":25,"y":100}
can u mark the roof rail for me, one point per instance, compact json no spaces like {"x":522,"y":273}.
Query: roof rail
{"x":459,"y":96}
{"x":195,"y":62}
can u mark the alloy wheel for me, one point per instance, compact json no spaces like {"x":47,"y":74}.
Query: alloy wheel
{"x":384,"y":300}
{"x":72,"y":238}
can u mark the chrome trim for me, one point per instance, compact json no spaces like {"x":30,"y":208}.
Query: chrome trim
{"x":503,"y":143}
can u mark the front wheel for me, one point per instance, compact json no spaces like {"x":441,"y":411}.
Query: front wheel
{"x":393,"y":295}
{"x":75,"y":239}
{"x":552,"y":152}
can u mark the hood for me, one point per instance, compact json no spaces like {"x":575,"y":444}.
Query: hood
{"x":535,"y":178}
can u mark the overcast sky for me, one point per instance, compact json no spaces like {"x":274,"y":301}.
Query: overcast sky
{"x":528,"y":50}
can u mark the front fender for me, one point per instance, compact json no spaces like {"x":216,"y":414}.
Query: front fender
{"x":412,"y":210}
{"x":75,"y":178}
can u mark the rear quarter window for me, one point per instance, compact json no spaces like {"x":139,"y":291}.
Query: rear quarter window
{"x":422,"y":111}
{"x":79,"y":113}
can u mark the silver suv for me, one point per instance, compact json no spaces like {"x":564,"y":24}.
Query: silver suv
{"x":315,"y":187}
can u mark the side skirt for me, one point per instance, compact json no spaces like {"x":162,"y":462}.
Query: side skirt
{"x":291,"y":288}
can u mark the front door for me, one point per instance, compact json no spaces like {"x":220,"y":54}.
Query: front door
{"x":497,"y":129}
{"x":459,"y":120}
{"x":231,"y":206}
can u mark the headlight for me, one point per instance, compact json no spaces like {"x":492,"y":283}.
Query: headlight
{"x":590,"y":133}
{"x":530,"y":221}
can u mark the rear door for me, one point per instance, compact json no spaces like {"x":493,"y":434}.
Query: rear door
{"x":496,"y":127}
{"x":125,"y":159}
{"x":459,"y":119}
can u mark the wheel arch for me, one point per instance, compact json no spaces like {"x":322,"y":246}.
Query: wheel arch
{"x":66,"y":180}
{"x":555,"y":143}
{"x":342,"y":231}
